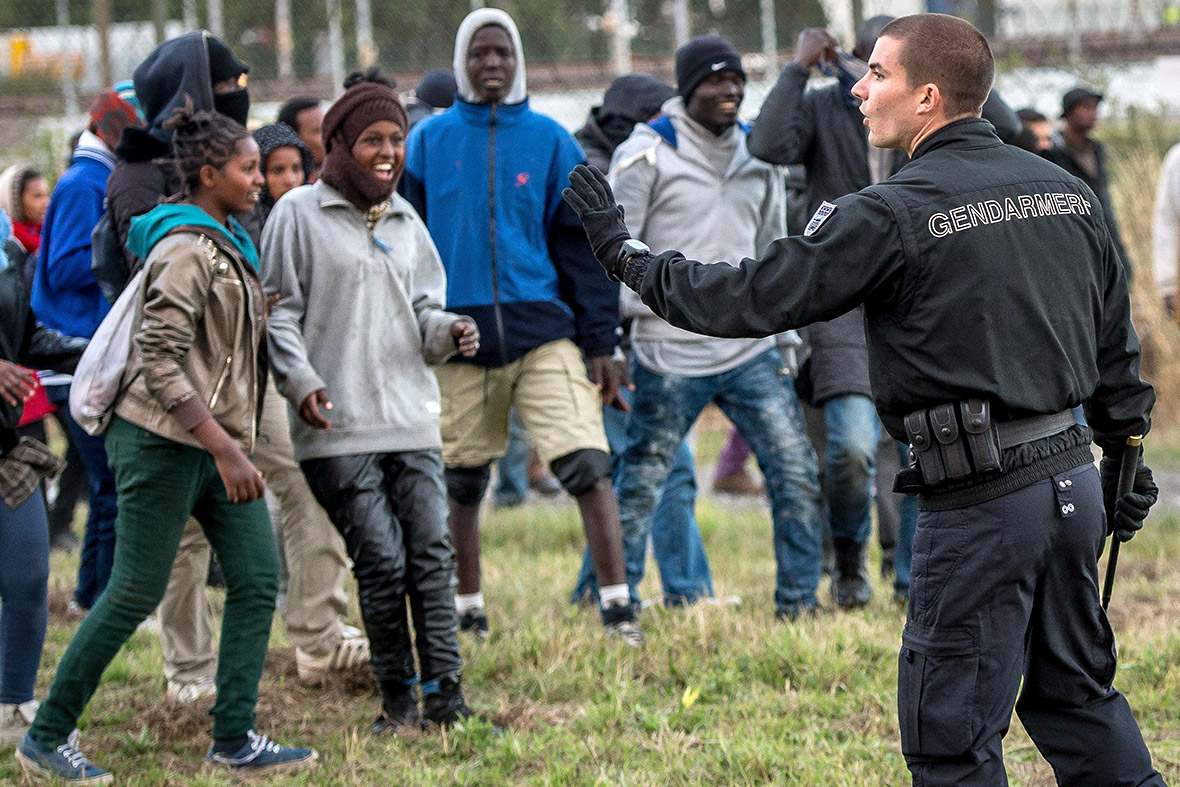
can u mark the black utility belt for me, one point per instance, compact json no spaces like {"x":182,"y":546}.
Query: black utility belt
{"x":959,"y":440}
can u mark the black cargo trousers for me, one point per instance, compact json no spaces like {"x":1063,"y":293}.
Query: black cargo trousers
{"x":1004,"y":590}
{"x":391,"y":510}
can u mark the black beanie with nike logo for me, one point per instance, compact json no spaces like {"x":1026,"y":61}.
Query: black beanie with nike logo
{"x":702,"y":56}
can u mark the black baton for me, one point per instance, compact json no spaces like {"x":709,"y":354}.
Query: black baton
{"x":1127,"y":469}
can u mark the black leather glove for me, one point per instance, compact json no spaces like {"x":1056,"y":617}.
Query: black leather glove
{"x":1124,"y":516}
{"x":590,"y":196}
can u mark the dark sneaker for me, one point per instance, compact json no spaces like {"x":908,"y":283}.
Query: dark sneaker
{"x":851,"y":588}
{"x":474,"y":622}
{"x":399,"y":711}
{"x":619,"y":622}
{"x":888,"y":569}
{"x":798,"y":612}
{"x":445,"y":707}
{"x":260,"y":755}
{"x":65,"y":762}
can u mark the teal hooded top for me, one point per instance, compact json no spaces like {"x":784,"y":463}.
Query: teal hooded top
{"x":150,"y":228}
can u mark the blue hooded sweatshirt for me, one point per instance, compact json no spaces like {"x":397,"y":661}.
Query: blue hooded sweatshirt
{"x":66,"y":296}
{"x":487,"y":180}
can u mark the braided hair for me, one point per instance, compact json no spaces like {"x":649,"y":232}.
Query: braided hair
{"x":200,"y":138}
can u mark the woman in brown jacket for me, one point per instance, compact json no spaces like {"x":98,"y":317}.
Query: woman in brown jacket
{"x":179,"y":446}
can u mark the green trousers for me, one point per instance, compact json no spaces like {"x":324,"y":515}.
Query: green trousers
{"x":161,"y":483}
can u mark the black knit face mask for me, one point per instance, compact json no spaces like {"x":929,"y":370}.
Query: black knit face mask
{"x":235,"y":104}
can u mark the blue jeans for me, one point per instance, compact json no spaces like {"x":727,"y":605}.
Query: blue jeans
{"x":766,"y":413}
{"x":24,"y":596}
{"x":850,"y":465}
{"x":512,"y":469}
{"x":98,"y":545}
{"x":675,"y":536}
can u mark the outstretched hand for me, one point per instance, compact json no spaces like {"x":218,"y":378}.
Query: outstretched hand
{"x":590,"y":196}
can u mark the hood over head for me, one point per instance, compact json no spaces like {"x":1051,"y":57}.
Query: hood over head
{"x":11,"y":181}
{"x":482,"y":17}
{"x":182,"y":67}
{"x":630,"y":99}
{"x":280,"y":135}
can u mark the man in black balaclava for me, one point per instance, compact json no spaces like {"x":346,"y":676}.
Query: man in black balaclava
{"x":194,"y":66}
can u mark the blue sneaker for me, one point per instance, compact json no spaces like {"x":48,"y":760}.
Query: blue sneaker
{"x":260,"y":755}
{"x":65,"y":763}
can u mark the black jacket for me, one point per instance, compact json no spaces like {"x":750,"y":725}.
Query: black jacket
{"x":985,"y":272}
{"x":1059,"y":154}
{"x":27,"y":342}
{"x":825,"y":133}
{"x":176,"y":71}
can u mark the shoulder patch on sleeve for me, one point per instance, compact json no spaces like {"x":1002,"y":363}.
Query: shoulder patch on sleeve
{"x":822,"y":214}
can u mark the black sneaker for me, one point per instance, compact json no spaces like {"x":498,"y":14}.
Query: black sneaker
{"x":445,"y":707}
{"x":888,"y":569}
{"x":399,"y":711}
{"x":474,"y":622}
{"x":619,"y":621}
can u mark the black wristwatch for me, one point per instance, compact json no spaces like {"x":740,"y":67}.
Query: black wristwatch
{"x":630,"y":248}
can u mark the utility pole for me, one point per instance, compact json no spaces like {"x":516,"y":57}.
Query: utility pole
{"x":619,"y":18}
{"x":769,"y":40}
{"x":680,"y":22}
{"x":336,"y":46}
{"x":366,"y":50}
{"x":102,"y":25}
{"x":284,"y":43}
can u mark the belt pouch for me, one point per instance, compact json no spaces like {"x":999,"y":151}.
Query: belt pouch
{"x":944,"y":423}
{"x":983,"y":443}
{"x":925,"y":448}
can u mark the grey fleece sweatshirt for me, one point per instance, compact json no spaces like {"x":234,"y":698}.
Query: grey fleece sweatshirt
{"x":707,"y":194}
{"x":360,"y":315}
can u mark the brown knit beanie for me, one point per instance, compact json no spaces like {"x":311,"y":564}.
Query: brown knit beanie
{"x":361,"y":106}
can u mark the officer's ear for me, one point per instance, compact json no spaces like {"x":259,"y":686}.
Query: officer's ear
{"x":929,"y":99}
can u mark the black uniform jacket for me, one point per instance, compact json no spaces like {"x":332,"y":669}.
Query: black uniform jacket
{"x":985,"y":272}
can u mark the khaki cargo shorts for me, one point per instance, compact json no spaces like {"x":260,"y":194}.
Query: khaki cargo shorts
{"x":560,"y":407}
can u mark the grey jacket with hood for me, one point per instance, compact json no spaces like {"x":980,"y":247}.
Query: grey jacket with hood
{"x":674,"y":195}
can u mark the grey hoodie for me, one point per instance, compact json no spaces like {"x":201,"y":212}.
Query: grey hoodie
{"x":707,"y":194}
{"x":360,"y":315}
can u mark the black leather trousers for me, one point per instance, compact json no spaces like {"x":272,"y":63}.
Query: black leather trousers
{"x":391,"y":509}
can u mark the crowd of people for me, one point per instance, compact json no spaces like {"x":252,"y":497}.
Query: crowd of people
{"x":362,"y":308}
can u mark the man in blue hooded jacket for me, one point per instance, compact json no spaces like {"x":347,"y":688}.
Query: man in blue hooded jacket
{"x":486,"y":177}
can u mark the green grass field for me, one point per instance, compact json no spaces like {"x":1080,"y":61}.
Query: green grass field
{"x":719,"y":696}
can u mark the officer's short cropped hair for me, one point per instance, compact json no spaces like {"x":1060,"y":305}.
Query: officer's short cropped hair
{"x":948,"y":52}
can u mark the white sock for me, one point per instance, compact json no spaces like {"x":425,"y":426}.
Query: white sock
{"x":466,"y":601}
{"x":614,"y":595}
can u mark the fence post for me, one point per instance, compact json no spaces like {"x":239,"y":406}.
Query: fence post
{"x":216,"y":21}
{"x":284,"y":44}
{"x":366,"y":50}
{"x":69,"y":87}
{"x":159,"y":19}
{"x":680,"y":22}
{"x":102,"y":25}
{"x":336,"y":46}
{"x":188,"y":15}
{"x":620,"y":42}
{"x":769,"y":40}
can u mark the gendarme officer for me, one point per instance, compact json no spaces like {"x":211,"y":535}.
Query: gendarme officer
{"x":994,"y":303}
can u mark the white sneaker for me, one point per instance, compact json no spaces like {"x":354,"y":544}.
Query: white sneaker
{"x":76,"y":610}
{"x":351,"y":651}
{"x":188,"y":693}
{"x":15,"y":721}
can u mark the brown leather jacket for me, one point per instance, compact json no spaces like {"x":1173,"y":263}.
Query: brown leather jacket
{"x":200,"y":350}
